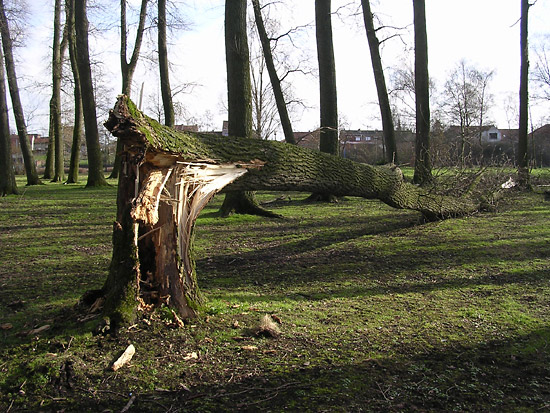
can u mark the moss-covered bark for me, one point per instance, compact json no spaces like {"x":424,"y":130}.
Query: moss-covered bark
{"x":121,"y":289}
{"x":168,"y":177}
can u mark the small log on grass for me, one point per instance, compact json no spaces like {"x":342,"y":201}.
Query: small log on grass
{"x":168,"y":177}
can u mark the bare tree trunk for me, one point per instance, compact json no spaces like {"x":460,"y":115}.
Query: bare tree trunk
{"x":258,"y":95}
{"x":50,"y":153}
{"x":327,"y":78}
{"x":523,"y":153}
{"x":274,"y":78}
{"x":152,"y":237}
{"x":239,"y":97}
{"x":78,"y":117}
{"x":95,"y":162}
{"x":328,"y":135}
{"x":423,"y":162}
{"x":7,"y":45}
{"x":380,"y":81}
{"x":164,"y":68}
{"x":128,"y":68}
{"x":8,"y":185}
{"x":116,"y":163}
{"x":238,"y":70}
{"x":58,"y":49}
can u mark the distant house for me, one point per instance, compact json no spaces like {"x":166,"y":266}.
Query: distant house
{"x":493,"y":145}
{"x":361,"y":137}
{"x":346,"y":138}
{"x":15,"y":146}
{"x":225,"y":128}
{"x":540,"y":139}
{"x":490,"y":134}
{"x":369,"y":145}
{"x":187,"y":128}
{"x":509,"y":135}
{"x":196,"y":128}
{"x":224,"y":131}
{"x":485,"y":134}
{"x":309,"y":139}
{"x":538,"y":144}
{"x":543,"y":131}
{"x":39,"y":147}
{"x":16,"y":155}
{"x":363,"y":145}
{"x":39,"y":144}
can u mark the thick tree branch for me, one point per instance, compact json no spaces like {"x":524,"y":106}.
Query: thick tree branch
{"x":285,"y":167}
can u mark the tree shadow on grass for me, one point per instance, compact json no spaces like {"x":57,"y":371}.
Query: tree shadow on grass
{"x":483,"y":378}
{"x":507,"y":375}
{"x":313,"y":236}
{"x":352,"y":256}
{"x":480,"y":378}
{"x":350,"y":290}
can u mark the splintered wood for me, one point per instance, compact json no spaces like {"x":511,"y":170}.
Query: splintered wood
{"x":197,"y":184}
{"x":164,"y":211}
{"x":146,"y":205}
{"x":194,"y":185}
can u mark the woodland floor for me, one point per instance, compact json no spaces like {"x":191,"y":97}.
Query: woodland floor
{"x":378,"y":311}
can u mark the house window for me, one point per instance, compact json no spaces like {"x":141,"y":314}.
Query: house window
{"x":368,"y":138}
{"x":358,"y":138}
{"x":493,"y":136}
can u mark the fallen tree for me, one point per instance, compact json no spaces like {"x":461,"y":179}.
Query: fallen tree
{"x":168,"y":177}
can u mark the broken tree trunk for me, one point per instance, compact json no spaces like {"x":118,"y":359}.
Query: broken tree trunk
{"x":168,"y":177}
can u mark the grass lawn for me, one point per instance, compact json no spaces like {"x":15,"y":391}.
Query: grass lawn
{"x":378,"y":311}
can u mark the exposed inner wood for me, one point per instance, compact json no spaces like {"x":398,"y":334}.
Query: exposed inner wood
{"x":147,"y":202}
{"x":167,"y":205}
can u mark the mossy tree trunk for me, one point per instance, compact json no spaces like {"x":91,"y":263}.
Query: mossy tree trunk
{"x":168,"y":177}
